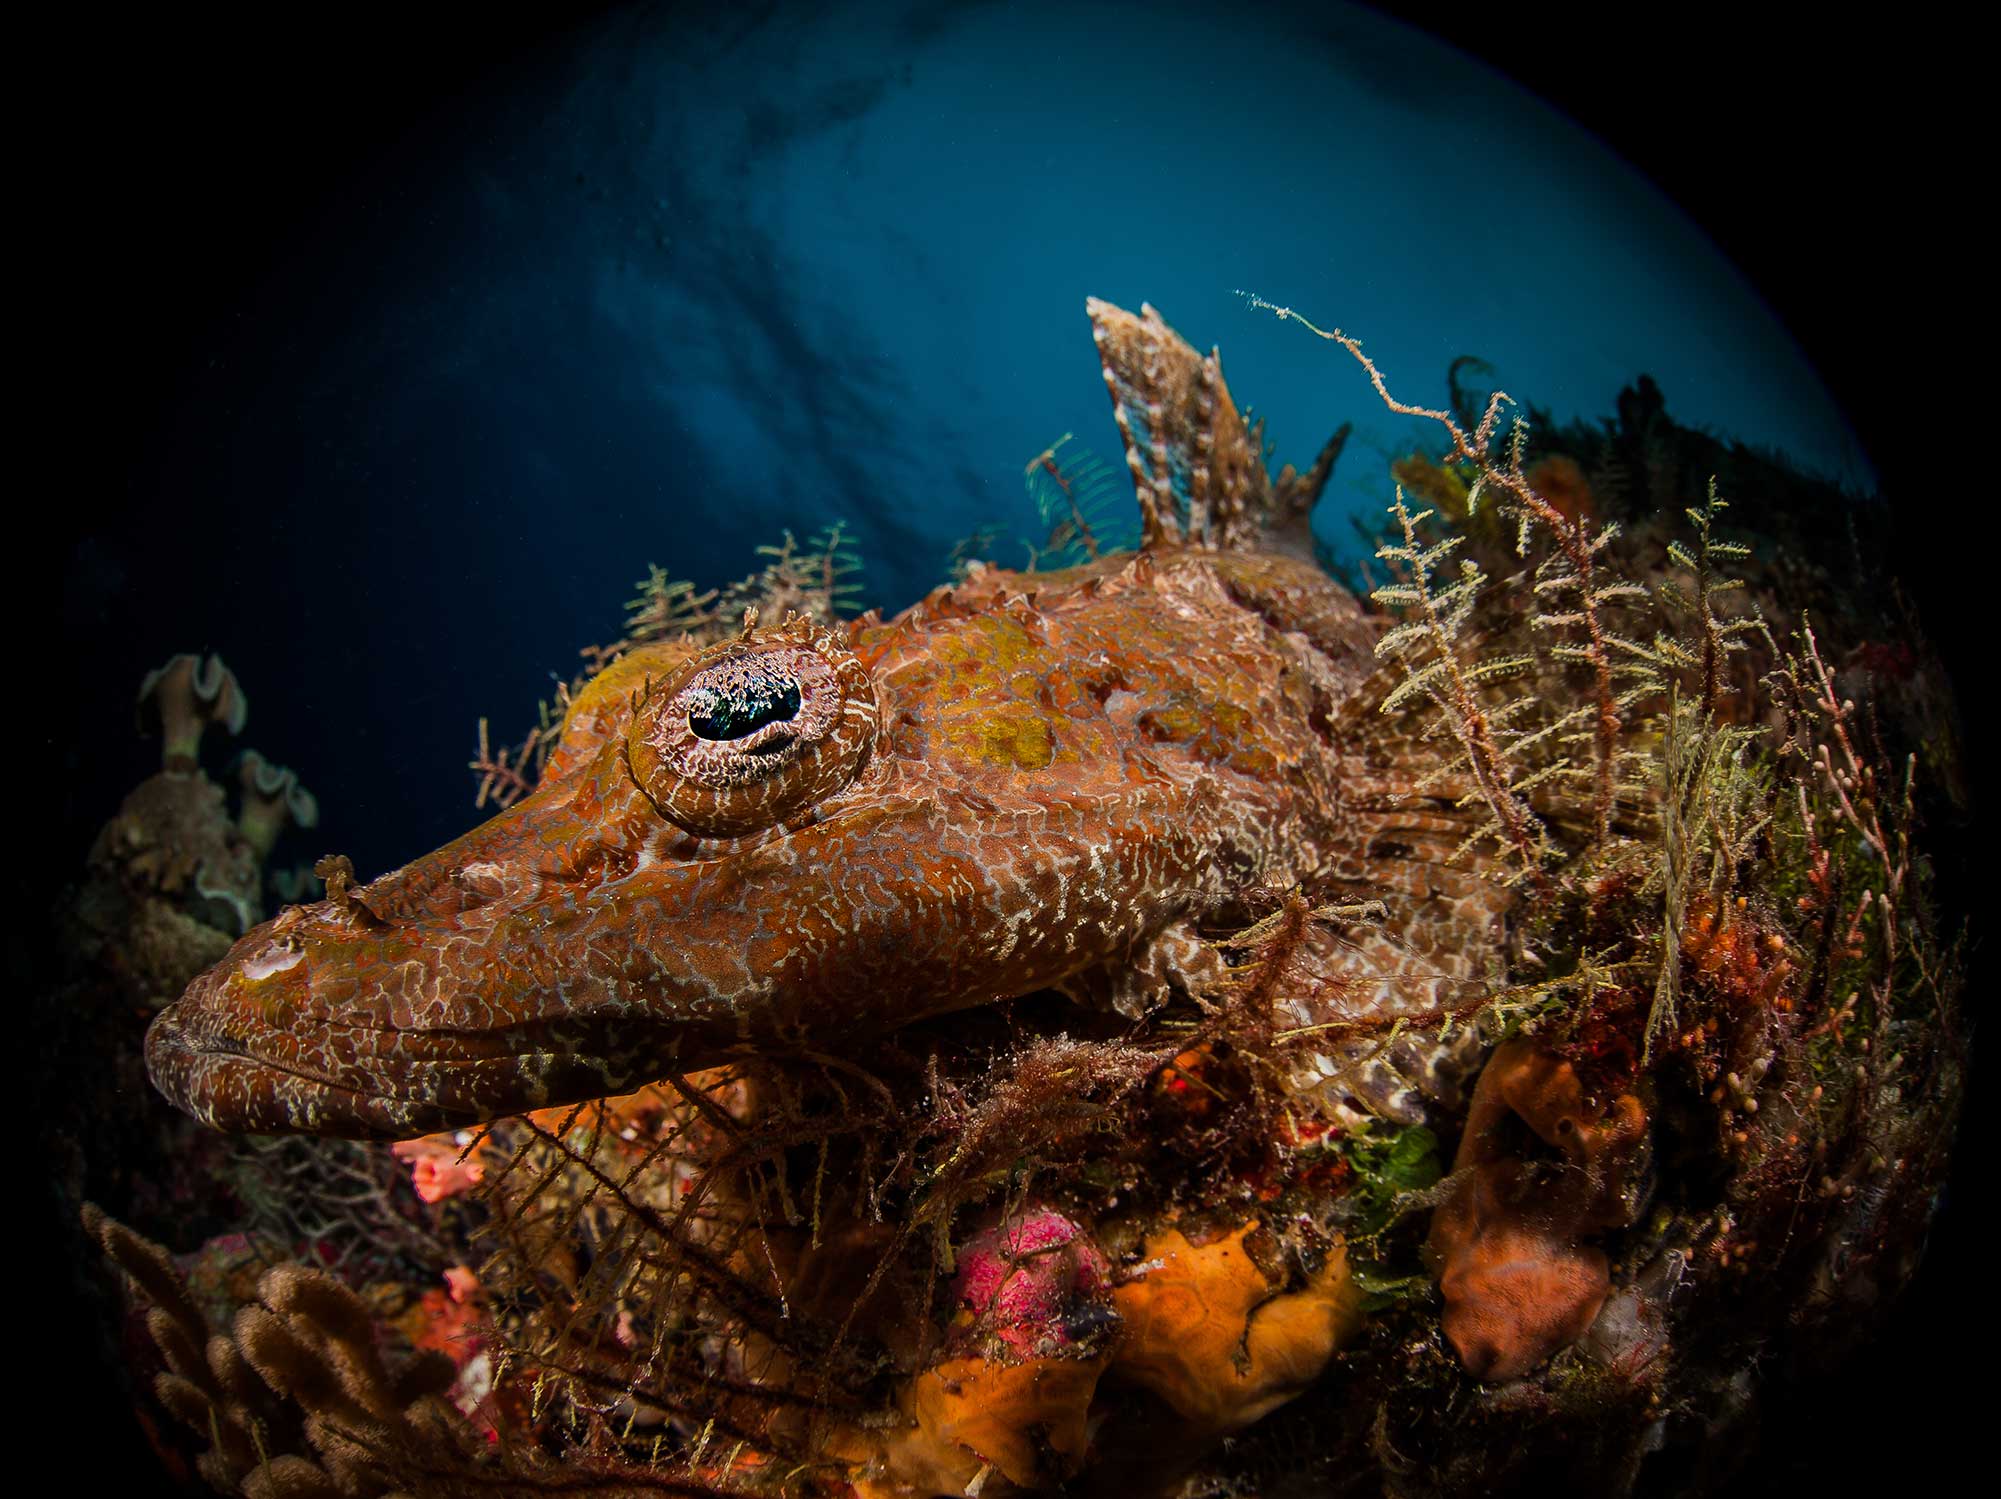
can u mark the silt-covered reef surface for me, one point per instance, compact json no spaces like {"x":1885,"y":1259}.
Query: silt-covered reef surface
{"x":1162,"y":1020}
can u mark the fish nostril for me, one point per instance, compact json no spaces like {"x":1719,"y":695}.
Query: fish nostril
{"x":490,"y":881}
{"x":274,"y":959}
{"x":482,"y":882}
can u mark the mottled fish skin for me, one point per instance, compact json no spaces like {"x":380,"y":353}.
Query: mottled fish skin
{"x":1029,"y":780}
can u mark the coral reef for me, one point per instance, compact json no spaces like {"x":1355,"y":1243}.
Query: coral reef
{"x":172,"y":879}
{"x":273,"y":800}
{"x":296,"y":1400}
{"x":1012,"y":1047}
{"x":170,"y":882}
{"x":182,"y":698}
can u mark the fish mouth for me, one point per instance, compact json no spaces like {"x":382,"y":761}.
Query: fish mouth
{"x":476,"y":984}
{"x":281,"y":1038}
{"x":230,"y":1083}
{"x":234,"y":1082}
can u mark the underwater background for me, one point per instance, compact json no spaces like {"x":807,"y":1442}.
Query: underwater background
{"x":420,"y":341}
{"x":680,"y":278}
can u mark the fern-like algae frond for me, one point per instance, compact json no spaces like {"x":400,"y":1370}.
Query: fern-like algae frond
{"x":1568,"y":683}
{"x":1085,"y":504}
{"x":665,"y":608}
{"x":820,"y":580}
{"x":1569,"y":580}
{"x":1715,"y":801}
{"x":1432,"y":647}
{"x":1719,"y":637}
{"x":510,"y":772}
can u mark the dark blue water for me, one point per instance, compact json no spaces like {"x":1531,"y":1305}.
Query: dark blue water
{"x":675,"y":281}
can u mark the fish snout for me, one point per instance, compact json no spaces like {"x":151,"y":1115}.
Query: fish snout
{"x":256,"y":1046}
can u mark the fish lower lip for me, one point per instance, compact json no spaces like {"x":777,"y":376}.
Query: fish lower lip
{"x":221,"y":1080}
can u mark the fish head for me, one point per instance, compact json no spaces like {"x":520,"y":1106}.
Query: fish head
{"x":782,"y":841}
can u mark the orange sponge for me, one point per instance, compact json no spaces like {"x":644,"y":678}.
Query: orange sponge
{"x":1519,"y":1281}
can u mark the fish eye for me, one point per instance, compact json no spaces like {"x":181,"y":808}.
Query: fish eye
{"x":761,"y":694}
{"x":753,"y":730}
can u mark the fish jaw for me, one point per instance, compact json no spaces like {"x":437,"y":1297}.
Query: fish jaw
{"x":383,"y":1032}
{"x":410,"y":1006}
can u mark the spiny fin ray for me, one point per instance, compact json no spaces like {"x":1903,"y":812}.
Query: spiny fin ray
{"x":1198,"y":469}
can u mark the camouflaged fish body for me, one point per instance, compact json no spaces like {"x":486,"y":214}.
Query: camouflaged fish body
{"x":803,"y":836}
